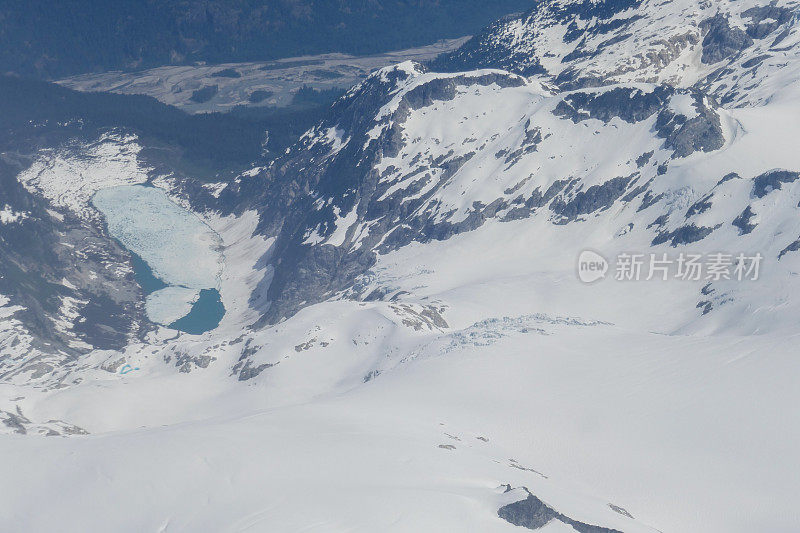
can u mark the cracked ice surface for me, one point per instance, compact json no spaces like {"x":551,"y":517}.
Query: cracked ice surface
{"x":179,"y":247}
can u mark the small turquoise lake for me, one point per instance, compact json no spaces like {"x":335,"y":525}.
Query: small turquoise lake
{"x":206,"y":312}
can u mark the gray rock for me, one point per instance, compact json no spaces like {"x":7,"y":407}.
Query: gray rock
{"x":795,"y":246}
{"x":627,"y":103}
{"x":595,"y":198}
{"x":743,"y":221}
{"x":686,"y":136}
{"x":772,"y":181}
{"x":532,"y":513}
{"x":683,"y":235}
{"x":721,"y":40}
{"x":699,"y":207}
{"x":766,"y":19}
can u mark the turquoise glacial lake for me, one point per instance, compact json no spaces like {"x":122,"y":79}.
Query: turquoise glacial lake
{"x":176,"y":256}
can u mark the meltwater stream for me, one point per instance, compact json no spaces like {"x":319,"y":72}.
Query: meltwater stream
{"x":176,"y":256}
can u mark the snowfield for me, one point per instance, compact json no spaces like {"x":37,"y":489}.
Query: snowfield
{"x":653,"y":422}
{"x":70,"y":182}
{"x":407,"y":345}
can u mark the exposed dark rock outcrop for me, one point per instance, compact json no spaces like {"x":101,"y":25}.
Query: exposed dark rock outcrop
{"x":44,"y":261}
{"x":701,"y":133}
{"x":743,"y":221}
{"x":763,"y":20}
{"x":699,"y":207}
{"x":322,"y":187}
{"x":627,"y":103}
{"x":683,"y":235}
{"x":684,"y":135}
{"x":532,"y":513}
{"x":772,"y":181}
{"x":595,"y":198}
{"x":795,"y":246}
{"x":721,"y":40}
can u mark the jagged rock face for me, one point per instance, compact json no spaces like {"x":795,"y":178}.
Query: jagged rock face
{"x":56,"y":268}
{"x":684,"y":134}
{"x":376,"y":176}
{"x":404,"y":158}
{"x":765,"y":19}
{"x":502,"y":45}
{"x":722,"y":41}
{"x":336,"y":164}
{"x":413,"y":156}
{"x":583,"y":43}
{"x":532,"y":513}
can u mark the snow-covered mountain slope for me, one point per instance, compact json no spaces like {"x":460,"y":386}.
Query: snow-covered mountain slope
{"x":73,"y":286}
{"x":407,"y":343}
{"x":747,"y":49}
{"x":635,"y":167}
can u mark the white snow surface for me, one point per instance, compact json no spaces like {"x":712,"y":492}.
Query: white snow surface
{"x":657,"y":42}
{"x":70,"y":181}
{"x":9,"y":216}
{"x":372,"y":416}
{"x":167,"y":305}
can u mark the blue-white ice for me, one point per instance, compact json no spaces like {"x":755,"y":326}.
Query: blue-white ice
{"x":165,"y":306}
{"x":179,"y":247}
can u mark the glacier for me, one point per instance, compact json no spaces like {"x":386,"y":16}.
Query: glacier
{"x":406,"y":344}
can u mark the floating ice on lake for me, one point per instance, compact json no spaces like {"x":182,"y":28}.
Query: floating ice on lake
{"x":165,"y":306}
{"x":179,"y":247}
